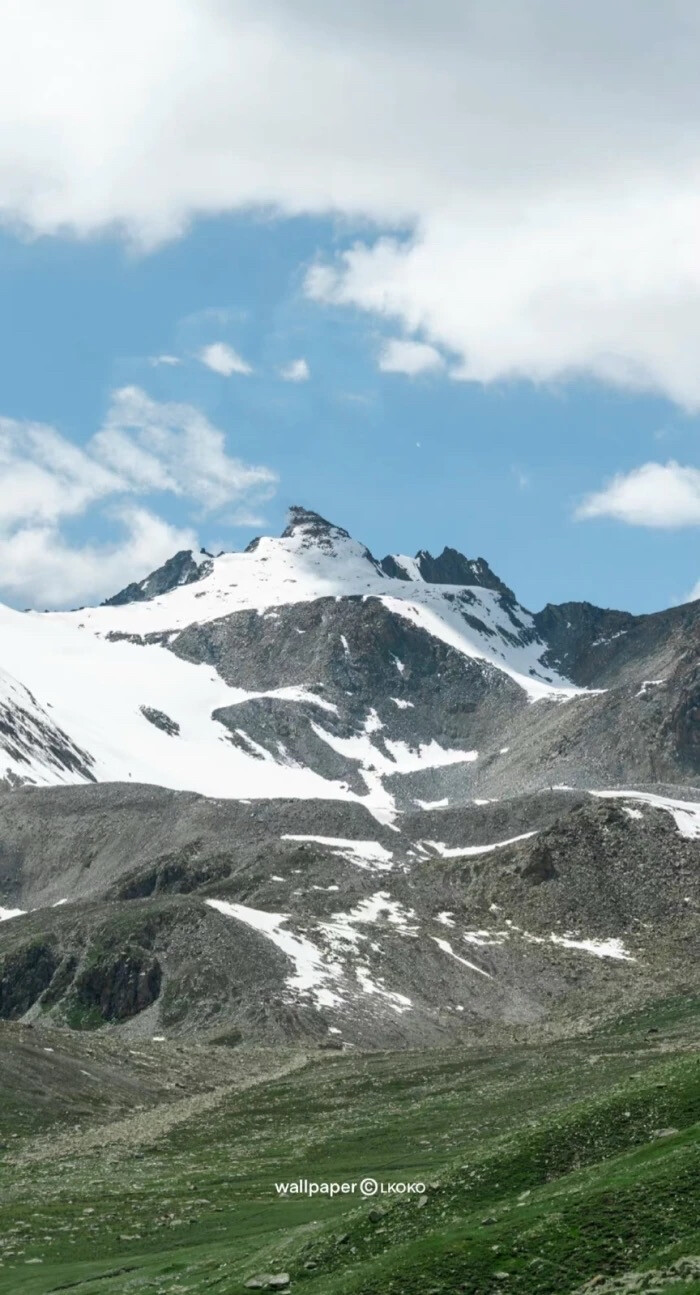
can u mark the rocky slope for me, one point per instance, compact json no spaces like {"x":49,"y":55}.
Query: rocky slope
{"x":171,"y":912}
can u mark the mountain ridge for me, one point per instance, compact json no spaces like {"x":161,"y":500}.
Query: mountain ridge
{"x":308,"y":667}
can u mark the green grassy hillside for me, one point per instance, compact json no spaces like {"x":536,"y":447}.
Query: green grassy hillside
{"x":549,"y":1167}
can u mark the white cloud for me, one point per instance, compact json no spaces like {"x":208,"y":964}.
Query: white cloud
{"x":295,"y":371}
{"x":655,"y":494}
{"x":44,"y":477}
{"x":405,"y":356}
{"x":221,"y":358}
{"x":40,"y":566}
{"x":157,"y":445}
{"x":168,"y":360}
{"x":144,"y":447}
{"x":542,"y":158}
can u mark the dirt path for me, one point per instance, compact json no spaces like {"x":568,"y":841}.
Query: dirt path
{"x":149,"y":1125}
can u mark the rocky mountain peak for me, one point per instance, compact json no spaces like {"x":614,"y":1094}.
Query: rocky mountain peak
{"x":310,"y":531}
{"x":182,"y":568}
{"x":306,"y":522}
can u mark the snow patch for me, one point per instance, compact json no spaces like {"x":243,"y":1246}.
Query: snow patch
{"x":395,"y":757}
{"x":312,"y":971}
{"x":611,"y":948}
{"x":685,"y":814}
{"x":365,"y":854}
{"x":398,"y":1002}
{"x":7,"y":913}
{"x":447,"y":948}
{"x":647,"y":684}
{"x":454,"y":852}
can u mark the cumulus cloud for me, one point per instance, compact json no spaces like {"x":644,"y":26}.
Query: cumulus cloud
{"x":400,"y":355}
{"x":144,"y":448}
{"x":663,"y":495}
{"x":542,"y":158}
{"x":221,"y":358}
{"x":295,"y":371}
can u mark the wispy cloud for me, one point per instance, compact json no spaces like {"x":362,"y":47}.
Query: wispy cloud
{"x":523,"y":479}
{"x":169,"y":361}
{"x":145,"y":448}
{"x":221,"y":358}
{"x":155,"y":445}
{"x":661,"y":495}
{"x":295,"y":371}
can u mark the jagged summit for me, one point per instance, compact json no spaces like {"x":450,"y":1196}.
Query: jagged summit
{"x":450,"y":568}
{"x":181,"y":569}
{"x":308,"y":532}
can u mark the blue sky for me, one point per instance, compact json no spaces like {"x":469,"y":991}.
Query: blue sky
{"x":546,"y":411}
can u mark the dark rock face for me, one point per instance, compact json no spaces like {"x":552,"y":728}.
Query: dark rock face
{"x":160,"y":720}
{"x":393,"y":569}
{"x":452,"y":568}
{"x":177,"y":872}
{"x":580,"y":637}
{"x":684,"y":722}
{"x":27,"y":733}
{"x":596,"y":647}
{"x":181,"y":569}
{"x":118,"y":985}
{"x":60,"y":981}
{"x":540,"y":866}
{"x":24,"y":975}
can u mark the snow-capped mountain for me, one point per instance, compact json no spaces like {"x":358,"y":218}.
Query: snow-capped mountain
{"x":304,"y":667}
{"x":319,"y":794}
{"x":106,"y":674}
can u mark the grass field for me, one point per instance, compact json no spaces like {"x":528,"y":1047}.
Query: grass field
{"x":546,"y":1166}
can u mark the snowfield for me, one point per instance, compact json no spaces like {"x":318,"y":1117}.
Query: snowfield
{"x":93,"y":690}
